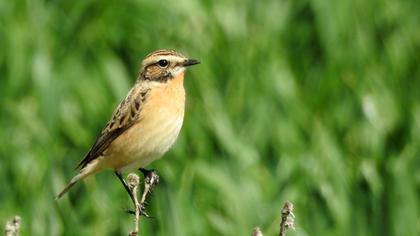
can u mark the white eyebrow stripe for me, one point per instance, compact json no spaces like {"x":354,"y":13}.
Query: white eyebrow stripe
{"x":170,"y":58}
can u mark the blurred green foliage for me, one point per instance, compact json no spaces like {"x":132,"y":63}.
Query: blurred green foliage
{"x":316,"y":102}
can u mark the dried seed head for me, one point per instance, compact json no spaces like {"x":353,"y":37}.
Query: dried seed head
{"x":133,"y":180}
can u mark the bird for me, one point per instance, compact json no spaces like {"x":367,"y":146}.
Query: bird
{"x":145,"y":124}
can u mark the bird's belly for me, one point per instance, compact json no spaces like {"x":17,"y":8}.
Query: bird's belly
{"x":145,"y":142}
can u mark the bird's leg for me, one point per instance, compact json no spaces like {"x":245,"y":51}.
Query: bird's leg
{"x":151,"y":179}
{"x":148,"y":173}
{"x":127,"y":188}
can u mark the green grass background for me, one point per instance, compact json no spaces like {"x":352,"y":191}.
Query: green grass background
{"x":312,"y":101}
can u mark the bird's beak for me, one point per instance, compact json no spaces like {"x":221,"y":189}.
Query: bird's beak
{"x":190,"y":62}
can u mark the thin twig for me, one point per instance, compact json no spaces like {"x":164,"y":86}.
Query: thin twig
{"x":12,"y":227}
{"x":287,"y":218}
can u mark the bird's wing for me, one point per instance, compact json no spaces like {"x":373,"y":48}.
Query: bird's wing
{"x":124,"y":117}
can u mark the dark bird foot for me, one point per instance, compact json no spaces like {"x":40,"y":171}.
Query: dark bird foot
{"x":151,"y":179}
{"x":146,"y":172}
{"x":142,"y":210}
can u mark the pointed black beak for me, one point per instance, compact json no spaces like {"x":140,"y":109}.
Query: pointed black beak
{"x":190,"y":62}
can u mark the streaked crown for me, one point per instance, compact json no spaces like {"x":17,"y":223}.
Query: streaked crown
{"x":163,"y":65}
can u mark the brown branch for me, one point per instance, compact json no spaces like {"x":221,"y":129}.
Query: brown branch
{"x":12,"y":227}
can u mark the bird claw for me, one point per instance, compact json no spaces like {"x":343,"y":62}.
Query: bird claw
{"x":146,"y":172}
{"x":150,"y":176}
{"x":142,"y":210}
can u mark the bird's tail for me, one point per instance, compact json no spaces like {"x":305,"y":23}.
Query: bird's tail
{"x":69,"y":185}
{"x":91,"y":168}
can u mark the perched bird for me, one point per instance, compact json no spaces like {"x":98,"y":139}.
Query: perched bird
{"x":145,"y":124}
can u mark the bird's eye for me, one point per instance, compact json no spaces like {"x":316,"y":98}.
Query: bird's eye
{"x":163,"y":63}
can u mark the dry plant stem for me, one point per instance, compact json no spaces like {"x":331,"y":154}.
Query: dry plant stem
{"x":133,"y":184}
{"x":287,"y":218}
{"x":287,"y":221}
{"x":150,"y":181}
{"x":257,"y":232}
{"x":12,"y":227}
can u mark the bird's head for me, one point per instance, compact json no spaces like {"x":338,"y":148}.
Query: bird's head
{"x":163,"y":65}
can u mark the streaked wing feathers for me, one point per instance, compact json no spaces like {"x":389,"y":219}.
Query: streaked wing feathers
{"x":123,"y":118}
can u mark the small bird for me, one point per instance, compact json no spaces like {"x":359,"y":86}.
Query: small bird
{"x":145,"y":124}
